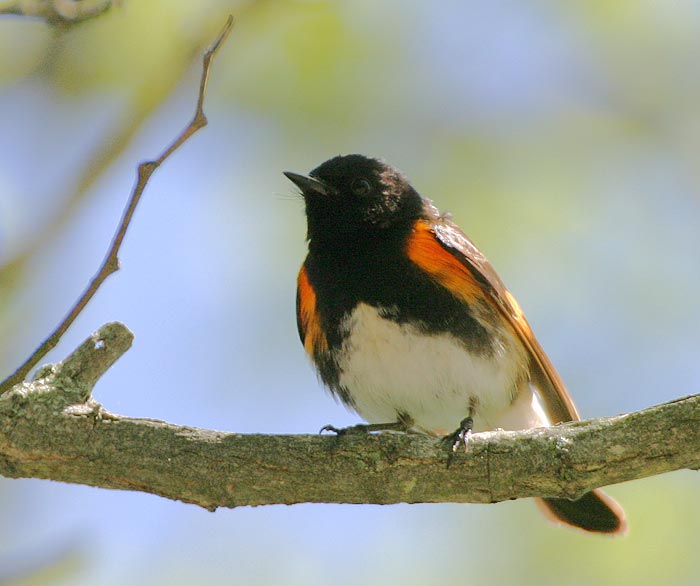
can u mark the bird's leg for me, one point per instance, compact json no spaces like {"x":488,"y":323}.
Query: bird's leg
{"x":460,"y":437}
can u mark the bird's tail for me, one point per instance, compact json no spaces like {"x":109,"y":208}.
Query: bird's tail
{"x":594,"y":512}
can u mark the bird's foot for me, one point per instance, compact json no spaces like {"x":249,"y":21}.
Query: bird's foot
{"x":403,"y":423}
{"x":459,"y":438}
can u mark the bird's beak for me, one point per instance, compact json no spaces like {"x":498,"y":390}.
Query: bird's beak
{"x":308,"y":185}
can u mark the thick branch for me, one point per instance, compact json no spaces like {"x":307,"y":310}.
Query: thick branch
{"x":50,"y":428}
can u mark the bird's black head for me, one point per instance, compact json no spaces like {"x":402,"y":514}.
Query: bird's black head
{"x":353,"y":197}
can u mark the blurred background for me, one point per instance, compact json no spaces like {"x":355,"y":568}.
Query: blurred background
{"x":564,"y":138}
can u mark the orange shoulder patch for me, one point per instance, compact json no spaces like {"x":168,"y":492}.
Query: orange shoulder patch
{"x":309,"y":320}
{"x":424,"y":249}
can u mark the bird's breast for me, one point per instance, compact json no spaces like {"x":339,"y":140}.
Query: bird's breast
{"x":389,"y":368}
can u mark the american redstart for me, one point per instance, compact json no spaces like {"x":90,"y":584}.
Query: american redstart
{"x":409,"y":325}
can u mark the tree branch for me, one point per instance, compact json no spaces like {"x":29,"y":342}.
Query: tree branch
{"x":51,"y":428}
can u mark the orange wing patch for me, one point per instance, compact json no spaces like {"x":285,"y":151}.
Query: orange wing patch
{"x":425,"y":250}
{"x":309,"y":320}
{"x":517,"y":313}
{"x":557,"y":401}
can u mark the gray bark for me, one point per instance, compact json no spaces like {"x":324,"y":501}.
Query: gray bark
{"x":52,"y":428}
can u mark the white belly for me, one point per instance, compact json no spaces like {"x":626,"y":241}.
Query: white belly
{"x":391,"y":369}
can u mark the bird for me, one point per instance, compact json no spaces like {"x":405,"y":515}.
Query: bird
{"x":408,"y":324}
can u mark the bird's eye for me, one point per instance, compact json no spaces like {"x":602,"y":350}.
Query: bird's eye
{"x":360,"y":187}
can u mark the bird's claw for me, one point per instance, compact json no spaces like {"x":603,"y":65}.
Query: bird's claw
{"x":459,"y":438}
{"x":332,"y":429}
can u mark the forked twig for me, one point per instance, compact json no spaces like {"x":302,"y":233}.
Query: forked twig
{"x":111,"y":262}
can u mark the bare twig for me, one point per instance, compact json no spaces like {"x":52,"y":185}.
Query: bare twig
{"x":111,"y":261}
{"x":142,"y":104}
